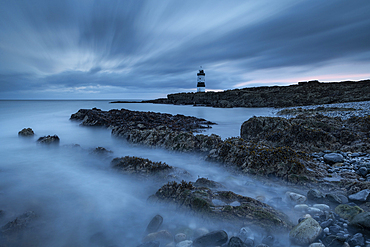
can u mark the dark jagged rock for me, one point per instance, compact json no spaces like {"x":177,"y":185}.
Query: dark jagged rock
{"x":204,"y":182}
{"x":49,"y":139}
{"x":27,"y":132}
{"x":305,"y":93}
{"x":141,"y":167}
{"x":199,"y":200}
{"x":236,"y":242}
{"x":139,"y":120}
{"x":101,"y":151}
{"x":310,"y":133}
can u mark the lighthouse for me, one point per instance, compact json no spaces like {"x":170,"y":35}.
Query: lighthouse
{"x":201,"y":80}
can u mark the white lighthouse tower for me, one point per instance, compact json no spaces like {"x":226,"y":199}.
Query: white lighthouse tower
{"x":201,"y":80}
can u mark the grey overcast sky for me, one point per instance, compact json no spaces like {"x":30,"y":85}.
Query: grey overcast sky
{"x":92,"y":49}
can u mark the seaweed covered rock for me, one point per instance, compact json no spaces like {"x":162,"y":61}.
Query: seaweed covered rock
{"x":201,"y":200}
{"x":251,"y":158}
{"x":304,"y":132}
{"x":141,"y":167}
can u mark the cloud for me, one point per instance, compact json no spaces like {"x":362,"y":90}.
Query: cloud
{"x":159,"y":45}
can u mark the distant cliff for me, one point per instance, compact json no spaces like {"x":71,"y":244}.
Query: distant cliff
{"x":305,"y":93}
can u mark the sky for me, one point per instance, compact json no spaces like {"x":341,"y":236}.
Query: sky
{"x":146,"y":49}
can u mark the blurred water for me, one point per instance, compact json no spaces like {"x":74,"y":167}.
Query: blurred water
{"x":75,"y":193}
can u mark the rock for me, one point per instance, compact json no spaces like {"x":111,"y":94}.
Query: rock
{"x":179,"y":237}
{"x":200,"y":232}
{"x":236,"y":242}
{"x":326,"y":223}
{"x":18,"y":224}
{"x":322,"y":207}
{"x":295,"y":197}
{"x":361,"y":220}
{"x":185,"y":243}
{"x":348,"y":212}
{"x":334,"y":241}
{"x":315,"y":195}
{"x":49,"y":139}
{"x":101,"y":151}
{"x":200,"y":201}
{"x":301,"y":208}
{"x":150,"y":244}
{"x":161,"y":235}
{"x":357,"y":240}
{"x":244,"y":233}
{"x":269,"y":240}
{"x":305,"y":232}
{"x":314,"y":211}
{"x":214,"y":238}
{"x":333,"y":198}
{"x":362,"y":196}
{"x":205,"y":182}
{"x":362,"y":171}
{"x":154,"y":224}
{"x":141,"y":167}
{"x":27,"y":132}
{"x":316,"y":245}
{"x":333,"y":158}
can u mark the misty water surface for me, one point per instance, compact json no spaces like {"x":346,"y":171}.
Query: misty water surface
{"x":76,"y":194}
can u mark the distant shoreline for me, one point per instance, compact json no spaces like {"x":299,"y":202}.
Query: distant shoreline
{"x":301,"y":94}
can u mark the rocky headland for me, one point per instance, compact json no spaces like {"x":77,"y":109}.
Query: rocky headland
{"x":301,"y":94}
{"x":329,"y":155}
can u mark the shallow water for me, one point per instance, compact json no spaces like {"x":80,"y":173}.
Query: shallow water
{"x":76,"y":194}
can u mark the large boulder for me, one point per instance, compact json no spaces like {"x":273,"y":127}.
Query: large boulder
{"x":306,"y":232}
{"x":362,"y":196}
{"x":203,"y":201}
{"x":361,"y":220}
{"x":348,"y":212}
{"x":259,"y":126}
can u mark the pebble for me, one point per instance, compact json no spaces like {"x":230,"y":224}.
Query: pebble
{"x":295,"y":197}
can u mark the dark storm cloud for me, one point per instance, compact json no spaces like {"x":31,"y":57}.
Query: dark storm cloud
{"x":160,"y":44}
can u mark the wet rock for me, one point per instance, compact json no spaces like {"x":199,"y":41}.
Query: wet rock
{"x":361,"y":220}
{"x":154,"y":224}
{"x":101,"y":151}
{"x":333,"y":198}
{"x":179,"y":237}
{"x":322,"y":207}
{"x":348,"y":212}
{"x":334,"y":241}
{"x":19,"y":223}
{"x":49,"y":139}
{"x":269,"y":240}
{"x":205,"y":182}
{"x":200,"y":232}
{"x":150,"y":244}
{"x":244,"y":233}
{"x":363,"y":196}
{"x":185,"y":243}
{"x":301,"y":208}
{"x":333,"y":158}
{"x":362,"y":171}
{"x":161,"y":236}
{"x":236,"y":242}
{"x":316,"y":245}
{"x":27,"y":132}
{"x":306,"y":232}
{"x":141,"y":167}
{"x":327,"y":223}
{"x":215,"y":238}
{"x":295,"y":197}
{"x":357,"y":240}
{"x":199,"y":200}
{"x":315,"y":195}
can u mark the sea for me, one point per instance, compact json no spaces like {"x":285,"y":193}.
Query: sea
{"x":78,"y":199}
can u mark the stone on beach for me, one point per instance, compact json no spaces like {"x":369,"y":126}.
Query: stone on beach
{"x":333,"y":158}
{"x":49,"y":139}
{"x":363,"y":196}
{"x":305,"y":232}
{"x":215,"y":238}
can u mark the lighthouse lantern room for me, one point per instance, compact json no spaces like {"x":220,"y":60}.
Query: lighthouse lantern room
{"x":201,"y":80}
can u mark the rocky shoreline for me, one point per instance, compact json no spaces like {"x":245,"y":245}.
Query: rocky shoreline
{"x":301,"y":94}
{"x":328,"y":155}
